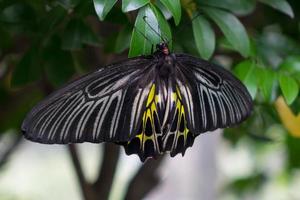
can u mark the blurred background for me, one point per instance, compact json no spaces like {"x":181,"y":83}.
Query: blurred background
{"x":46,"y":43}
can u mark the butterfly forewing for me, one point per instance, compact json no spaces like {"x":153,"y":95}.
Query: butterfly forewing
{"x":213,"y":96}
{"x":105,"y":105}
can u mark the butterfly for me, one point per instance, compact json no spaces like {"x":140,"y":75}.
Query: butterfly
{"x":149,"y":104}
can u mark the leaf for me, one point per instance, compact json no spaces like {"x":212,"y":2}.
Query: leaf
{"x":204,"y":37}
{"x":6,"y":39}
{"x":292,"y":152}
{"x":123,"y":39}
{"x":266,"y":80}
{"x":129,"y":5}
{"x":253,"y":48}
{"x":110,"y":43}
{"x":150,"y":28}
{"x":68,"y":4}
{"x":14,"y":110}
{"x":18,"y":13}
{"x":102,"y":7}
{"x":281,"y":5}
{"x":245,"y":71}
{"x":28,"y":69}
{"x":59,"y":67}
{"x":174,"y":7}
{"x":232,"y":28}
{"x":289,"y":88}
{"x":291,"y":64}
{"x":241,"y":7}
{"x":19,"y":16}
{"x":188,"y":46}
{"x":58,"y":64}
{"x":71,"y":36}
{"x":52,"y":18}
{"x":76,"y":34}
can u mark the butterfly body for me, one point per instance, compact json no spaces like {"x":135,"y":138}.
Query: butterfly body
{"x":149,"y":104}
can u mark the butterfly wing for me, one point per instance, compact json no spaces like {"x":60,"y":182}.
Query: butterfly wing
{"x":213,"y":97}
{"x":105,"y":105}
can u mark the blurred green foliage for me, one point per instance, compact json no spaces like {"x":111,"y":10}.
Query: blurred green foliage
{"x":44,"y":43}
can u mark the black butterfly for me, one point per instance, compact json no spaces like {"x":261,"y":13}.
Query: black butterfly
{"x":149,"y":104}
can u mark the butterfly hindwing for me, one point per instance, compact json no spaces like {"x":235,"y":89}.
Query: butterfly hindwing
{"x":164,"y":125}
{"x":102,"y":106}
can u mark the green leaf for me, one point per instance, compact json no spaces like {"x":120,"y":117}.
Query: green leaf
{"x":293,"y":149}
{"x":281,"y":5}
{"x":253,"y":48}
{"x":110,"y":43}
{"x":150,"y":28}
{"x":78,"y":33}
{"x":14,"y":110}
{"x":59,"y":67}
{"x":291,"y":64}
{"x":58,"y":64}
{"x":241,"y":7}
{"x":88,"y":36}
{"x":52,"y":19}
{"x":19,"y":17}
{"x":188,"y":46}
{"x":116,"y":17}
{"x":18,"y":13}
{"x":129,"y":5}
{"x":174,"y":7}
{"x":71,"y":36}
{"x":28,"y":69}
{"x":245,"y":71}
{"x":68,"y":4}
{"x":267,"y":81}
{"x":232,"y":28}
{"x":6,"y":39}
{"x":102,"y":7}
{"x":289,"y":88}
{"x":123,"y":39}
{"x":204,"y":37}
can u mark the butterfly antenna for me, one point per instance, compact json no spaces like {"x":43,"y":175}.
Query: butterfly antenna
{"x":159,"y":35}
{"x":140,"y":32}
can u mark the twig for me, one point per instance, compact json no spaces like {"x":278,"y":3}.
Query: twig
{"x":107,"y":171}
{"x":144,"y":181}
{"x":85,"y":187}
{"x":9,"y":150}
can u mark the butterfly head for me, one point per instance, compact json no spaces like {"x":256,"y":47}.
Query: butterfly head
{"x":163,"y":47}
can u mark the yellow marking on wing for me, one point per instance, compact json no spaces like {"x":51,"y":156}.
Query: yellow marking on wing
{"x":174,"y":96}
{"x":151,"y":95}
{"x":151,"y":109}
{"x":181,"y":113}
{"x":186,"y":130}
{"x":178,"y":92}
{"x":178,"y":104}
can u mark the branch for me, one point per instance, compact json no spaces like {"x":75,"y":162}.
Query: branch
{"x":85,"y":187}
{"x":10,"y":149}
{"x":107,"y":170}
{"x":145,"y":180}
